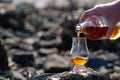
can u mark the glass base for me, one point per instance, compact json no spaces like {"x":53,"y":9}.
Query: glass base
{"x":79,"y":69}
{"x":82,"y":70}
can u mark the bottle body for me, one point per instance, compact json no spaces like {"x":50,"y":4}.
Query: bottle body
{"x":96,"y":28}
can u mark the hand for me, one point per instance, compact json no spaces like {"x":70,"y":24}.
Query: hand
{"x":109,"y":11}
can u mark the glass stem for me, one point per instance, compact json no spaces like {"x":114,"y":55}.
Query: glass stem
{"x":79,"y":68}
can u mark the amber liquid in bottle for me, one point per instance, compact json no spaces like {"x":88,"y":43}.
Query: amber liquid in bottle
{"x":96,"y":33}
{"x":116,"y":33}
{"x":79,"y":61}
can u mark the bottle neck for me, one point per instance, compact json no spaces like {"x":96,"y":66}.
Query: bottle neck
{"x":80,"y":26}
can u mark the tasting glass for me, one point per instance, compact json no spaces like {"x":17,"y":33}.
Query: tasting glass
{"x":79,"y":54}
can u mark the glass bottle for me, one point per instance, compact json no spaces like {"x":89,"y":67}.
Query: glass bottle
{"x":96,"y":28}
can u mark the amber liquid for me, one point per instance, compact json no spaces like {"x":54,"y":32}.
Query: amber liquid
{"x":116,"y":33}
{"x":96,"y":33}
{"x":79,"y":61}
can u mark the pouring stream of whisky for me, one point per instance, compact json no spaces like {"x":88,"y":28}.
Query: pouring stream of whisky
{"x":78,"y":37}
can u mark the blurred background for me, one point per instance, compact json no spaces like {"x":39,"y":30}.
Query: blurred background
{"x":36,"y":35}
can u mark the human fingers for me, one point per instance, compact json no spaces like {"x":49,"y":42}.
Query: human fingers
{"x":88,"y":13}
{"x":110,"y":29}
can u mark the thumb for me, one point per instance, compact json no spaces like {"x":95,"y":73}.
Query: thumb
{"x":110,"y":29}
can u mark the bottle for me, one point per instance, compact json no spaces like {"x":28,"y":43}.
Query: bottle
{"x":96,"y":28}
